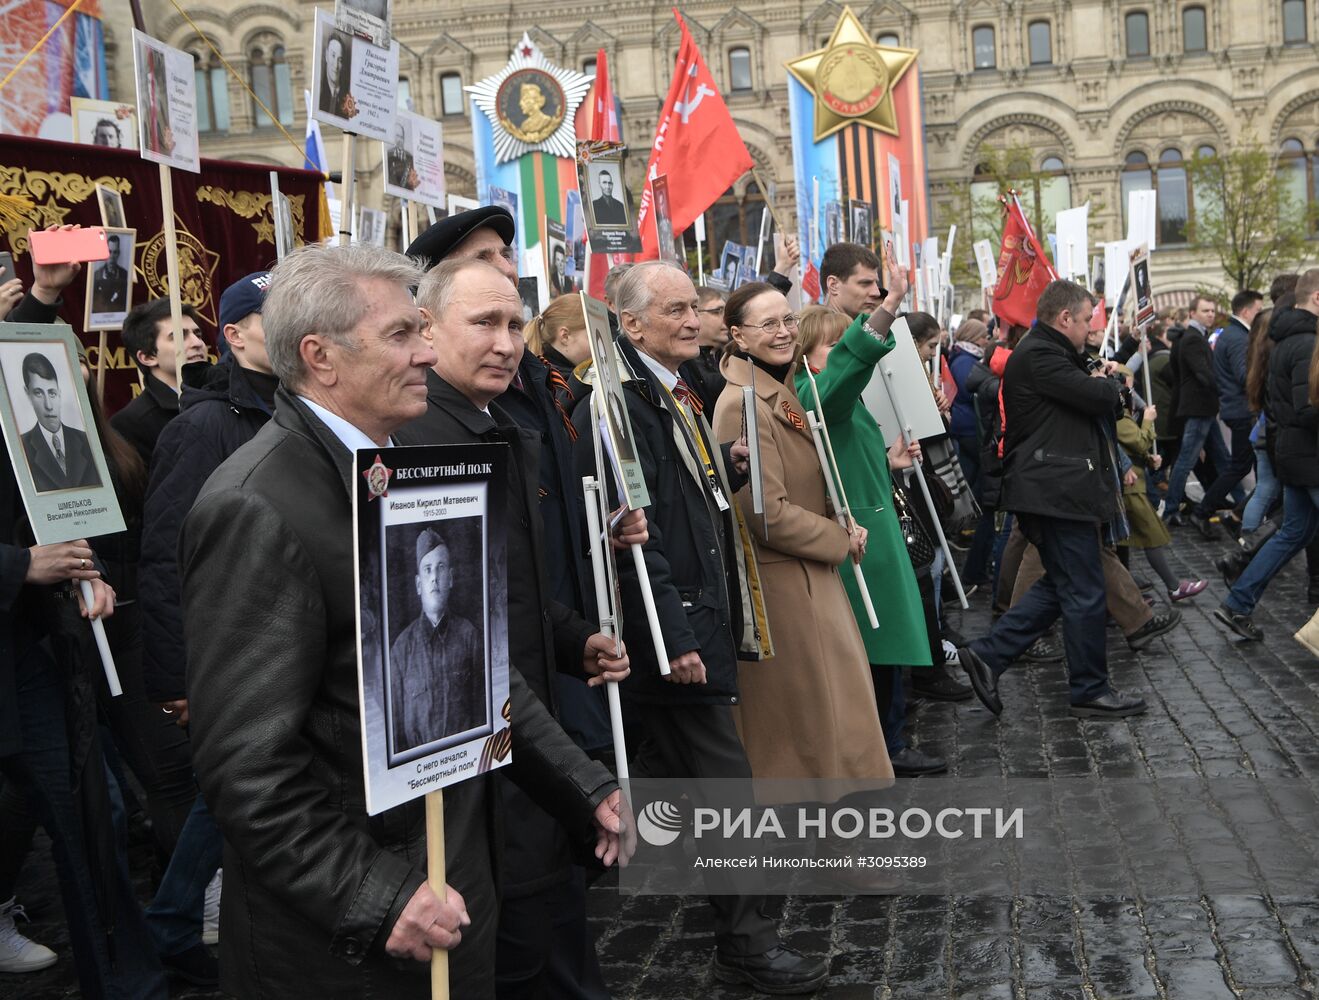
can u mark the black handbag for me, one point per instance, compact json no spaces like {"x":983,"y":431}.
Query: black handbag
{"x":920,"y":549}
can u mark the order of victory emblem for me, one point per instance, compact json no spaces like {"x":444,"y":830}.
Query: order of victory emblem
{"x":377,"y":479}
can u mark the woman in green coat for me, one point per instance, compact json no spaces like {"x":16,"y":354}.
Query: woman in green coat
{"x":901,"y":639}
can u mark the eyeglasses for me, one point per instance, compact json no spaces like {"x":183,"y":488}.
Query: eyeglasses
{"x":712,"y":311}
{"x":772,"y":326}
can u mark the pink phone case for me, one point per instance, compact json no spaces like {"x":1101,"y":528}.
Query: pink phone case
{"x":68,"y":246}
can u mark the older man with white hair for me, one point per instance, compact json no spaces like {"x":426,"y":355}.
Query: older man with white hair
{"x":319,"y":899}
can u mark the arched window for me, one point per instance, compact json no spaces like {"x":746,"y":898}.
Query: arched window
{"x":451,"y":94}
{"x":272,"y":84}
{"x":739,"y":69}
{"x":1138,"y":35}
{"x":212,"y":83}
{"x":1174,"y":202}
{"x":984,"y":53}
{"x":888,"y":38}
{"x":1204,"y":196}
{"x":1195,"y":33}
{"x":1040,"y":36}
{"x":1136,"y":176}
{"x":1293,"y":22}
{"x":1293,"y":171}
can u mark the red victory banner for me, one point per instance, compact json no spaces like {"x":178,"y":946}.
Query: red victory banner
{"x":1024,"y":270}
{"x":696,"y":146}
{"x":222,"y":216}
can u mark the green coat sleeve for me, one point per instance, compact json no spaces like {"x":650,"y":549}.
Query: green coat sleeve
{"x":850,"y":367}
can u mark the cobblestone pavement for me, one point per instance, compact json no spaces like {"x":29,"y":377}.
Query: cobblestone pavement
{"x":1218,"y":709}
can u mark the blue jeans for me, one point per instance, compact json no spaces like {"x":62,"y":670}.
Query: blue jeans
{"x":1233,"y":471}
{"x":1267,"y":489}
{"x":1073,"y":587}
{"x":1300,"y":522}
{"x":175,"y":914}
{"x":43,"y":769}
{"x":1200,"y":432}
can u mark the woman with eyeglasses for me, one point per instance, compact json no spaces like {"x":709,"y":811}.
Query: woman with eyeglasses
{"x":810,"y":712}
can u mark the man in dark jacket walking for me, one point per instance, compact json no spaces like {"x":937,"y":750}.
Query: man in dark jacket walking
{"x":1230,"y":373}
{"x":1196,"y":394}
{"x":1292,"y":427}
{"x":321,"y":900}
{"x":705,"y":595}
{"x":1060,"y":479}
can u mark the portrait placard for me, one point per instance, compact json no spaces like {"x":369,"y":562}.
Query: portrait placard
{"x":557,"y":262}
{"x":111,"y":203}
{"x":861,"y":228}
{"x":281,"y":214}
{"x":616,"y":424}
{"x":1140,"y":282}
{"x":431,"y":569}
{"x":729,"y":274}
{"x":910,"y":380}
{"x":371,"y":226}
{"x":166,"y":104}
{"x":109,"y":294}
{"x":355,"y":82}
{"x":659,"y":192}
{"x":833,"y":223}
{"x":414,"y":161}
{"x":894,"y":205}
{"x":368,"y":18}
{"x":111,"y":124}
{"x":611,"y":220}
{"x":51,"y":436}
{"x":529,"y":293}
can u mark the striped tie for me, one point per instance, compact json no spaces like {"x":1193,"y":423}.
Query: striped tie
{"x":683,"y":394}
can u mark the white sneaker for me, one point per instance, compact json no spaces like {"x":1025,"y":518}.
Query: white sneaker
{"x":211,"y":912}
{"x":17,"y":953}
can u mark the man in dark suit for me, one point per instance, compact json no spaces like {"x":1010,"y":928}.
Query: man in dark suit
{"x":607,"y":209}
{"x":400,"y":160}
{"x":59,"y":457}
{"x":110,"y":289}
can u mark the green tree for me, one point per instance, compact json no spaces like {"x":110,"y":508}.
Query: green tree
{"x":1250,"y":214}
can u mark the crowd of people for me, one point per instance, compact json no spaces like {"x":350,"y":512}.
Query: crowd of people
{"x":230,"y":606}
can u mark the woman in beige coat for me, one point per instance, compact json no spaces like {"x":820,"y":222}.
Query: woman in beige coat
{"x":810,"y":711}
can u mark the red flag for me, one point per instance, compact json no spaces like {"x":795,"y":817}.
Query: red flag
{"x":1023,"y":269}
{"x":696,"y":146}
{"x":598,"y":121}
{"x":810,"y":281}
{"x":1099,"y":319}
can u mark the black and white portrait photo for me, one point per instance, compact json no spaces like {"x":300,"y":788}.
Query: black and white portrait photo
{"x":833,"y":223}
{"x":862,"y":230}
{"x":108,"y":124}
{"x":111,"y":203}
{"x":400,"y":163}
{"x":110,"y":283}
{"x":48,"y":416}
{"x":529,"y":293}
{"x":607,"y":205}
{"x":438,"y":685}
{"x":336,"y":60}
{"x":730,"y":265}
{"x":556,"y":259}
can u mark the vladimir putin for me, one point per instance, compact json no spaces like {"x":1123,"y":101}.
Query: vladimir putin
{"x":608,"y":210}
{"x":437,"y":666}
{"x":60,"y":457}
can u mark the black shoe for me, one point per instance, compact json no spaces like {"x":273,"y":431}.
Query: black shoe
{"x":1232,"y":566}
{"x":911,"y":762}
{"x":1240,"y":624}
{"x":1113,"y":705}
{"x":938,"y":684}
{"x":1043,"y":651}
{"x":1152,"y":629}
{"x":1208,"y":530}
{"x":197,"y":965}
{"x":778,"y":971}
{"x":983,"y":681}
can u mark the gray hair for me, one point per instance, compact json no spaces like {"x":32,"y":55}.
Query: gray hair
{"x":315,"y":289}
{"x":612,"y":279}
{"x":635,"y":292}
{"x":437,"y":287}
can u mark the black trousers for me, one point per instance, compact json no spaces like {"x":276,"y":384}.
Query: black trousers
{"x":545,"y":950}
{"x":700,"y":741}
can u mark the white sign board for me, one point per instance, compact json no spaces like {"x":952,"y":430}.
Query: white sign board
{"x":913,"y":384}
{"x":355,"y":83}
{"x":1073,"y":229}
{"x":414,"y":160}
{"x":1142,"y":218}
{"x":166,"y":104}
{"x":986,"y":263}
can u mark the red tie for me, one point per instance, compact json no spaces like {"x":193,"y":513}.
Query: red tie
{"x":683,"y":394}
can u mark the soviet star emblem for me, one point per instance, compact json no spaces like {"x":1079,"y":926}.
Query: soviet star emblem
{"x":852,"y":79}
{"x":377,"y":479}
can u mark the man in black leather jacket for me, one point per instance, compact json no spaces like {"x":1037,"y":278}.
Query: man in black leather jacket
{"x":1060,"y":479}
{"x":321,"y":900}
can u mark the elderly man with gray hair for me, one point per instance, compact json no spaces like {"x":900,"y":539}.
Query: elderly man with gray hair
{"x":319,"y":899}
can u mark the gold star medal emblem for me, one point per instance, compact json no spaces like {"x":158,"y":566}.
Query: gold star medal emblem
{"x":852,"y":79}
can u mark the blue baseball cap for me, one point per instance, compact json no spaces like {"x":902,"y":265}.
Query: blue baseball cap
{"x":243,"y":298}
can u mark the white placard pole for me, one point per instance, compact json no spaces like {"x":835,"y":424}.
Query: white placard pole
{"x":102,"y":643}
{"x":638,"y":555}
{"x":700,"y":246}
{"x":841,"y":512}
{"x":908,"y":437}
{"x":596,"y":510}
{"x":349,"y":175}
{"x":1149,"y":391}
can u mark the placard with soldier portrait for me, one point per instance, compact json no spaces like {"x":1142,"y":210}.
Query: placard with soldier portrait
{"x":355,"y":83}
{"x":432,"y":617}
{"x":110,"y":124}
{"x":615,"y":423}
{"x":166,"y":104}
{"x":51,"y":435}
{"x":611,"y":221}
{"x":109,"y":294}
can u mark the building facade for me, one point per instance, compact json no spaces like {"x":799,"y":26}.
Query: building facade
{"x":1091,"y":98}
